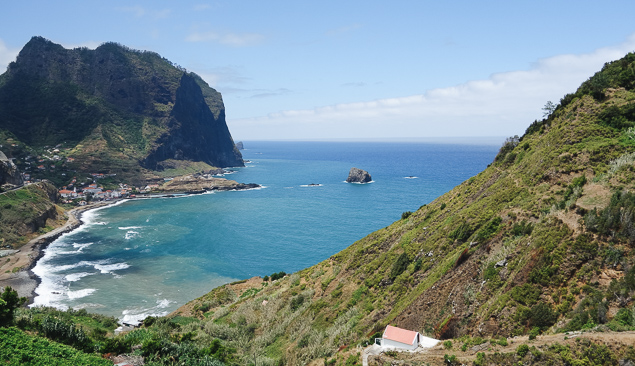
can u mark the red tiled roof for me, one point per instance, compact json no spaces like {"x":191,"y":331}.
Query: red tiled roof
{"x":399,"y":335}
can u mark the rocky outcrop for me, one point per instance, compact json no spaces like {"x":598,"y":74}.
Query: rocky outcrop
{"x":196,"y":133}
{"x":240,"y":145}
{"x":358,"y":176}
{"x":119,"y":108}
{"x":199,"y":183}
{"x":9,"y":173}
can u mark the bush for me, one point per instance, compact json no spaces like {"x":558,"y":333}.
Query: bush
{"x":400,"y":265}
{"x":461,"y":233}
{"x":405,"y":215}
{"x":522,"y":350}
{"x":278,"y":275}
{"x":296,"y":302}
{"x":533,"y":333}
{"x":527,"y":294}
{"x":9,"y":301}
{"x":447,"y":344}
{"x":542,"y":316}
{"x":522,"y":228}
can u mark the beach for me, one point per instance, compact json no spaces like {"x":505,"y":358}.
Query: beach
{"x":23,"y":280}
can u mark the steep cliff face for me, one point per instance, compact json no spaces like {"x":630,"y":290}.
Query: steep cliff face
{"x":118,"y":106}
{"x":9,"y":173}
{"x":195,"y":133}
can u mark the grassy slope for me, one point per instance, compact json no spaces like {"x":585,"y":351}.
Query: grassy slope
{"x":27,"y":211}
{"x":525,"y":212}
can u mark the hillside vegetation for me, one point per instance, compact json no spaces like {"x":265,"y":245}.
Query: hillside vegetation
{"x":541,"y":241}
{"x":27,"y":212}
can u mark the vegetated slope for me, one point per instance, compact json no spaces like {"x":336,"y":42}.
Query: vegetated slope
{"x":120,"y":110}
{"x":27,"y":212}
{"x":541,"y":240}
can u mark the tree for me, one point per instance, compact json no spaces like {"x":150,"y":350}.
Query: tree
{"x":548,"y":109}
{"x":9,"y":301}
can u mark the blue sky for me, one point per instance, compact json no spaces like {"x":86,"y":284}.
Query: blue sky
{"x":355,"y":69}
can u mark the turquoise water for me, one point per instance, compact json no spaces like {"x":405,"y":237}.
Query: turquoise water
{"x":150,"y":256}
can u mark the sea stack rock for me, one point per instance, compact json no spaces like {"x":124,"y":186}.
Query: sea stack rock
{"x":358,"y":176}
{"x":240,"y":146}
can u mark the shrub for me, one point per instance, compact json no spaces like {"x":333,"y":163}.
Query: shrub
{"x":9,"y":301}
{"x":461,"y":233}
{"x":533,"y":333}
{"x":400,"y":265}
{"x":527,"y":294}
{"x":522,"y":228}
{"x":296,"y":302}
{"x":278,"y":275}
{"x":405,"y":215}
{"x":542,"y":316}
{"x":509,"y":145}
{"x":489,"y":229}
{"x":447,"y":344}
{"x":522,"y":350}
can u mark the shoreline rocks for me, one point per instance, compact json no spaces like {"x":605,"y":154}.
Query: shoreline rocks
{"x":358,"y":176}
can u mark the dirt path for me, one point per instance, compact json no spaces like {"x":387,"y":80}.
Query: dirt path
{"x":434,"y":355}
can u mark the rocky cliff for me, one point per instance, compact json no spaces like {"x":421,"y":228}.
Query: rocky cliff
{"x":118,"y":108}
{"x":9,"y":173}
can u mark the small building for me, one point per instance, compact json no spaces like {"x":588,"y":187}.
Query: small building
{"x":394,"y":337}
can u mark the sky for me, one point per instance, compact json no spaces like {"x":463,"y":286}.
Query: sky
{"x":347,"y":70}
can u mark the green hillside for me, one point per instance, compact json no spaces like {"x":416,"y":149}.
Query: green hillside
{"x":541,"y":241}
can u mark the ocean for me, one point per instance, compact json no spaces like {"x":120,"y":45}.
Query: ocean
{"x":149,"y":256}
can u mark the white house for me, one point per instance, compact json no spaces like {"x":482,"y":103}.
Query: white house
{"x":404,"y":339}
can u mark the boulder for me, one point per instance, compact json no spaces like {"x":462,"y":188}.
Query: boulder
{"x":358,"y":176}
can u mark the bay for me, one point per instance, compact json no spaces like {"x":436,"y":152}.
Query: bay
{"x":150,"y":256}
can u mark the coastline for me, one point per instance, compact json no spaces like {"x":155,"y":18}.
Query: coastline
{"x":25,"y":281}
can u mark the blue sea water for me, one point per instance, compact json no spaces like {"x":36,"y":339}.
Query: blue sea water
{"x":150,"y":256}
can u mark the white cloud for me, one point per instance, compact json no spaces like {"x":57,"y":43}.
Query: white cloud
{"x":88,"y":44}
{"x":502,"y":105}
{"x":136,"y":10}
{"x":7,"y":55}
{"x":139,"y":12}
{"x":230,"y":39}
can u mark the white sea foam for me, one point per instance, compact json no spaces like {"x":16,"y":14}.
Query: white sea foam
{"x":88,"y":305}
{"x":164,"y":303}
{"x":129,"y":227}
{"x":311,"y":185}
{"x":109,"y":268}
{"x":79,"y":246}
{"x":411,"y":177}
{"x":73,"y":277}
{"x":80,"y":293}
{"x":135,"y":316}
{"x":131,"y":234}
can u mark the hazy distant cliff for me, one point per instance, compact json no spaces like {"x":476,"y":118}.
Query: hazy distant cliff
{"x":117,"y":105}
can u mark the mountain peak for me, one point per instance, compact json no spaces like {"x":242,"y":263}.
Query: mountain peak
{"x":116,"y":99}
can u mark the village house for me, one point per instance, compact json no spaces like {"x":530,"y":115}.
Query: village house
{"x":399,"y":338}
